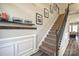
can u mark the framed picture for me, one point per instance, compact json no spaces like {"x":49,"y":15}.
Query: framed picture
{"x":39,"y":19}
{"x":51,"y":9}
{"x":46,"y":13}
{"x":56,"y":8}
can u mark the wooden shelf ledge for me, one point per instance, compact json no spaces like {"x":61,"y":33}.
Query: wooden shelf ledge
{"x":6,"y":25}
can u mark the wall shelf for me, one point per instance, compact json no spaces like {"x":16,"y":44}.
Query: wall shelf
{"x":10,"y":25}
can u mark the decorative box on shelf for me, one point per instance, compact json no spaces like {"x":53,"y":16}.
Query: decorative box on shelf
{"x":27,"y":22}
{"x":17,"y":20}
{"x":16,"y":23}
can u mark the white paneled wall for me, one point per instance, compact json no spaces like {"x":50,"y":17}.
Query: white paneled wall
{"x":28,"y":11}
{"x":18,"y":46}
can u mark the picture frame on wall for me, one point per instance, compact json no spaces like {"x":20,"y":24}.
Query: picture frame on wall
{"x":39,"y":19}
{"x":56,"y":8}
{"x":46,"y":13}
{"x":51,"y":9}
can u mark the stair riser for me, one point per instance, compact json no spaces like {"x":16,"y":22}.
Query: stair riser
{"x":51,"y":33}
{"x":49,"y":44}
{"x":51,"y":36}
{"x":51,"y":41}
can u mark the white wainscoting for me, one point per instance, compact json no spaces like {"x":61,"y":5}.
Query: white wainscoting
{"x":18,"y":46}
{"x":7,"y":50}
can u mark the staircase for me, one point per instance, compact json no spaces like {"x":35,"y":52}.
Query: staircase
{"x":49,"y":45}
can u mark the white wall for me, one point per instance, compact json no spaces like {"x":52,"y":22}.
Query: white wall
{"x":74,"y":18}
{"x":73,"y":8}
{"x":28,"y":11}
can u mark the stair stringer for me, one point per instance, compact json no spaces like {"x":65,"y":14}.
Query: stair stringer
{"x":55,"y":18}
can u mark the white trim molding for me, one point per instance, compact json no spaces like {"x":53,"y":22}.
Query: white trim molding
{"x":18,"y":46}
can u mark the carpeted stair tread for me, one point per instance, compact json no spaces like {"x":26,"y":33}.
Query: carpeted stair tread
{"x":53,"y":41}
{"x":51,"y":36}
{"x":51,"y":46}
{"x":46,"y":50}
{"x":50,"y":32}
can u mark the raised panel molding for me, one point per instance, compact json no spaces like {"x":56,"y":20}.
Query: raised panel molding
{"x":21,"y":46}
{"x":7,"y":50}
{"x":25,"y":46}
